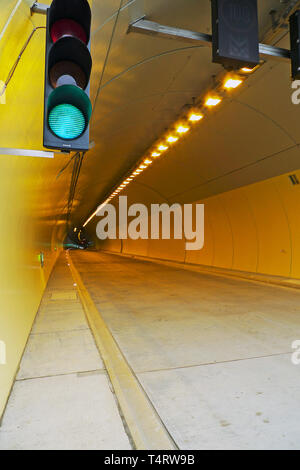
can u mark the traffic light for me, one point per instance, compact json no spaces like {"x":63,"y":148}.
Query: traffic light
{"x":235,"y":35}
{"x":295,"y":44}
{"x":67,"y":108}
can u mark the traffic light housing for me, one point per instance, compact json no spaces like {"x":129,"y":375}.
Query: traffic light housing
{"x":235,"y":37}
{"x":67,"y":107}
{"x":295,"y":44}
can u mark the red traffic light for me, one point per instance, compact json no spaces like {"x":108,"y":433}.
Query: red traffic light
{"x":68,"y":28}
{"x":70,"y":18}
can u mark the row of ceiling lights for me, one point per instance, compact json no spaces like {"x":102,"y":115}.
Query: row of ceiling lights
{"x":182,"y":127}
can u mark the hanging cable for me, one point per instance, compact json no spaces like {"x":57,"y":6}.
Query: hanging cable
{"x":66,"y":166}
{"x":74,"y":180}
{"x":107,"y":54}
{"x":72,"y":185}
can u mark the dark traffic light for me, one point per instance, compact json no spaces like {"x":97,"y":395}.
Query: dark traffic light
{"x":235,"y":33}
{"x":68,"y":108}
{"x":295,"y":44}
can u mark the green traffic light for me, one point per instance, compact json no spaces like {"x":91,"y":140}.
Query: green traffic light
{"x":66,"y":121}
{"x":70,"y":110}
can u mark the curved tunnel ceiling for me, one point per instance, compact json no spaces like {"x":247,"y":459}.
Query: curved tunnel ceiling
{"x":147,"y":82}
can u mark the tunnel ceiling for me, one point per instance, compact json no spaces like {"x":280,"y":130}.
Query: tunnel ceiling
{"x":146,"y":84}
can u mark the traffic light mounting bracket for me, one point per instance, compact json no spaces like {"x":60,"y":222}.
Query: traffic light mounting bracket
{"x":39,"y":8}
{"x":144,"y":26}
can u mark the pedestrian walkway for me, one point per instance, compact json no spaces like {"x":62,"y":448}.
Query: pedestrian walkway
{"x":62,"y":397}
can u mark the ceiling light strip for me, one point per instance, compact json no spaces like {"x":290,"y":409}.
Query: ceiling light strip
{"x":224,"y":85}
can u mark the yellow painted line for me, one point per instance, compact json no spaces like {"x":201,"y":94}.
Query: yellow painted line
{"x":145,"y":425}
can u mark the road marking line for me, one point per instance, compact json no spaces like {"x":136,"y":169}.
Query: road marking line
{"x":146,"y":428}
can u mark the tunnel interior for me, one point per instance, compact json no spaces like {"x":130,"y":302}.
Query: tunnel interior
{"x":204,"y":335}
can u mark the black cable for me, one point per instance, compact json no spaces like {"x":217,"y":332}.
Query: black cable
{"x":71,"y":189}
{"x":74,"y":180}
{"x":72,"y":185}
{"x":66,"y":166}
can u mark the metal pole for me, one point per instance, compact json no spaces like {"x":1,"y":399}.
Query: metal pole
{"x":26,"y":153}
{"x":192,"y":37}
{"x":39,"y":8}
{"x":151,"y":28}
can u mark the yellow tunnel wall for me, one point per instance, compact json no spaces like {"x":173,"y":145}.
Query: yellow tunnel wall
{"x":25,"y":231}
{"x":255,"y":229}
